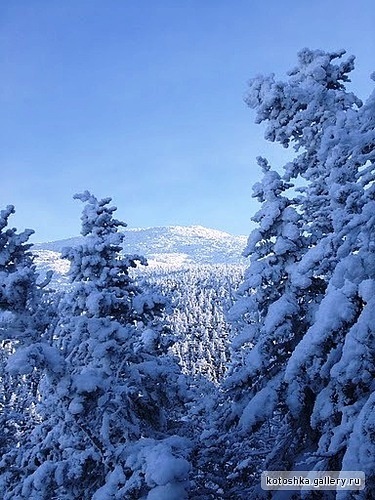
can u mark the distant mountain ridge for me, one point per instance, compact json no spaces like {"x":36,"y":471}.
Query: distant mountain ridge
{"x":169,"y":246}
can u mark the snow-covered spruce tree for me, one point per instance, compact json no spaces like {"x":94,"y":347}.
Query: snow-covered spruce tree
{"x":110,"y":407}
{"x":336,"y":358}
{"x":315,"y":113}
{"x":24,"y":320}
{"x":268,"y":316}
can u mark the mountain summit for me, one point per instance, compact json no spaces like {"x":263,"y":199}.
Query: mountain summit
{"x":170,"y":246}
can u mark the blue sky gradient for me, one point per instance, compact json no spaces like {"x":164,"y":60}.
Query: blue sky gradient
{"x":143,"y":101}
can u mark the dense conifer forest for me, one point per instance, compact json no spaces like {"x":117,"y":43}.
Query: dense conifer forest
{"x":172,"y":384}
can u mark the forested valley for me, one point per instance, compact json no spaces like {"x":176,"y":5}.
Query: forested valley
{"x":170,"y":384}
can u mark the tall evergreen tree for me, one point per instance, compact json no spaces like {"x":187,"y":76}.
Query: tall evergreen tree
{"x":111,"y":399}
{"x":265,"y":316}
{"x":24,"y":320}
{"x":284,"y":357}
{"x":337,"y":353}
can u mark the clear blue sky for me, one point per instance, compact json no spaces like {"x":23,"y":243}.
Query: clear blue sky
{"x":143,"y":101}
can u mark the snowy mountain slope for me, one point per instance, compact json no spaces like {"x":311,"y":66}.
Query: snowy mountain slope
{"x":173,"y":246}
